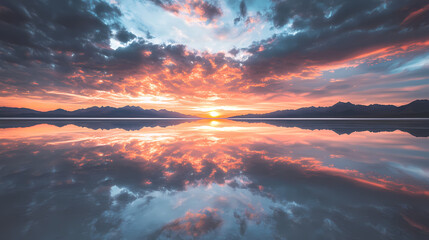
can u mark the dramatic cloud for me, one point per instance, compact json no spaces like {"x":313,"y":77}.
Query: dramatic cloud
{"x":81,"y":53}
{"x":331,"y":34}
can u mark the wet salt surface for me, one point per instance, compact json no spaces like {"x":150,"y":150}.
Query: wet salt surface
{"x":214,"y":179}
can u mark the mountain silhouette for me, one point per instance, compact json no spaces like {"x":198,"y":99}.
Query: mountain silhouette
{"x":415,"y":109}
{"x":94,"y":112}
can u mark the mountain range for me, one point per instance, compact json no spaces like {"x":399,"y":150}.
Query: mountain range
{"x":415,"y":109}
{"x":93,"y":112}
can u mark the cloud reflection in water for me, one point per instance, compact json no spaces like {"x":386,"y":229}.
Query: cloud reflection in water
{"x":212,"y":179}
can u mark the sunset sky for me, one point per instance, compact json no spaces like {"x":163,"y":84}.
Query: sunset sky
{"x":197,"y":56}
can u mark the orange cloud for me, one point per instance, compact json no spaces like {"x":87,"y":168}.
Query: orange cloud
{"x":415,"y":14}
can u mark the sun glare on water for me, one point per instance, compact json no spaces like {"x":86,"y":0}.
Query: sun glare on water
{"x":214,"y":114}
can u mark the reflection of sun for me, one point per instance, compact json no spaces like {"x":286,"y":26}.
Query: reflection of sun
{"x":214,"y":123}
{"x":214,"y":114}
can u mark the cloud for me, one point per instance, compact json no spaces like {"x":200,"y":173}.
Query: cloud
{"x":66,"y":49}
{"x":74,"y":54}
{"x":124,"y":36}
{"x":348,"y":31}
{"x":242,"y":13}
{"x":243,"y":9}
{"x":203,"y":10}
{"x":417,"y":16}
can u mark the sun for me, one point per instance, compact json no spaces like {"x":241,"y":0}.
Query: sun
{"x":214,"y":114}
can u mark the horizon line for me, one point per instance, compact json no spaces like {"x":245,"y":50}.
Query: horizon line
{"x":197,"y":118}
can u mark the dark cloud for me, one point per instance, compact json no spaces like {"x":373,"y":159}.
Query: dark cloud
{"x":204,"y":8}
{"x":210,"y":11}
{"x":105,"y":10}
{"x":124,"y":36}
{"x":234,"y":51}
{"x":242,"y":13}
{"x":67,"y":45}
{"x":243,"y":9}
{"x":326,"y":13}
{"x":166,"y":4}
{"x":51,"y":45}
{"x":12,"y":15}
{"x":332,"y":31}
{"x":55,"y":35}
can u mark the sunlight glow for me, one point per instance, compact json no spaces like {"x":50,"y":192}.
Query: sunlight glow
{"x":214,"y":114}
{"x":214,"y":123}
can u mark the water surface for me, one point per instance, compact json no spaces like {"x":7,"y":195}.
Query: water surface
{"x":214,"y":179}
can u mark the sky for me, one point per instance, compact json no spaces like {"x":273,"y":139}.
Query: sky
{"x":197,"y":56}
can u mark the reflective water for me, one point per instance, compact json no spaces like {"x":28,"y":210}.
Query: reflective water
{"x":218,"y":179}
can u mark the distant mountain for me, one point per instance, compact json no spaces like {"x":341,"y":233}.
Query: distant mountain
{"x":416,"y":109}
{"x":93,"y":112}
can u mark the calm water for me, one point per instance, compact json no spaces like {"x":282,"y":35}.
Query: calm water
{"x":218,"y":179}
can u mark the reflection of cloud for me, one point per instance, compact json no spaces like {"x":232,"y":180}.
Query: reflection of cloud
{"x":211,"y":152}
{"x":263,"y":181}
{"x":417,"y":225}
{"x":193,"y":224}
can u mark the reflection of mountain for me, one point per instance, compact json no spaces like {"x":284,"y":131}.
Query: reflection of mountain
{"x":129,"y":125}
{"x":186,"y":183}
{"x":416,"y":109}
{"x":181,"y":183}
{"x":417,"y":128}
{"x":94,"y":112}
